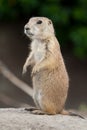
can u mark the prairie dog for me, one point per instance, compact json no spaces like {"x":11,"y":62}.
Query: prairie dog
{"x":49,"y":74}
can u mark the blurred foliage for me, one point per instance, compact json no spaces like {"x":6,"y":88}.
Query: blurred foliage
{"x":83,"y":107}
{"x":69,"y":18}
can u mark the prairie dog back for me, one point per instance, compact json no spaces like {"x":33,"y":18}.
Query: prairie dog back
{"x":49,"y":75}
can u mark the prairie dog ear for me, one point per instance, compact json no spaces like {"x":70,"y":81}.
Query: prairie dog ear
{"x":49,"y":22}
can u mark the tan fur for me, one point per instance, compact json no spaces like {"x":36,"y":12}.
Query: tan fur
{"x":49,"y":75}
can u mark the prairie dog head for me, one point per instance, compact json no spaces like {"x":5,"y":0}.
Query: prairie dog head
{"x":39,"y":28}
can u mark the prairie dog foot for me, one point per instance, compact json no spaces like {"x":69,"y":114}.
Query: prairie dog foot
{"x":30,"y":108}
{"x":36,"y":111}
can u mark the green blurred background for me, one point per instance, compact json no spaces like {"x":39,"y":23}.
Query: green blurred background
{"x":70,"y":23}
{"x":69,"y":17}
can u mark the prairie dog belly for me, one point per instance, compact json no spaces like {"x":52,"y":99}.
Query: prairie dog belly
{"x":37,"y":96}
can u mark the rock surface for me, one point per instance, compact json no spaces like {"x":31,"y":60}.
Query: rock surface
{"x":19,"y":119}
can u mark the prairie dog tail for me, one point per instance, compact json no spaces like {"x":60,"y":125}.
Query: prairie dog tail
{"x":65,"y":112}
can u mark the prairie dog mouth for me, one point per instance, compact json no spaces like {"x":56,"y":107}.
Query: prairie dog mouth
{"x":27,"y":32}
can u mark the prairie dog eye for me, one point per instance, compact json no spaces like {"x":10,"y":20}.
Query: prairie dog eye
{"x":39,"y":22}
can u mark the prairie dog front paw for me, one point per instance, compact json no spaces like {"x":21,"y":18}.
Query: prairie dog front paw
{"x":24,"y":68}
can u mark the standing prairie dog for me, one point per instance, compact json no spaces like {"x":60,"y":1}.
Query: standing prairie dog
{"x":50,"y":78}
{"x":49,"y":75}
